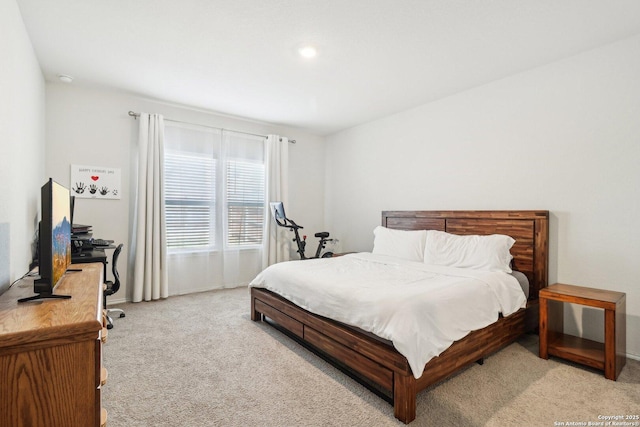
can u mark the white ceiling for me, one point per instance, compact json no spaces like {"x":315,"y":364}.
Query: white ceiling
{"x":376,"y":57}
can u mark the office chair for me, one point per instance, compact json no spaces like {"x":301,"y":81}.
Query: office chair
{"x":112,"y":287}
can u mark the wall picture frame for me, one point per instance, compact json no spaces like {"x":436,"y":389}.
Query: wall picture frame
{"x":95,"y":182}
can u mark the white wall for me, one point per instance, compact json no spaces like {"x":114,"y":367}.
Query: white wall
{"x":564,"y":137}
{"x":89,"y":126}
{"x":22,"y":116}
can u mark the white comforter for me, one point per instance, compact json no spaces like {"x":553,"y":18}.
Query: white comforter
{"x":422,"y":309}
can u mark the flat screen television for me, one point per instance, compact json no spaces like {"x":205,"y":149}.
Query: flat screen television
{"x":54,"y":240}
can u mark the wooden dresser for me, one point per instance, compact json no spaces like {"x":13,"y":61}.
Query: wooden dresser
{"x":51,"y":353}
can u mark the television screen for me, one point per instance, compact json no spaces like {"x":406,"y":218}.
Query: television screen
{"x":54,"y":240}
{"x":60,"y":232}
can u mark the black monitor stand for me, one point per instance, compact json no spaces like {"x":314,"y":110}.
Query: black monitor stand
{"x":43,"y":290}
{"x":44,"y":296}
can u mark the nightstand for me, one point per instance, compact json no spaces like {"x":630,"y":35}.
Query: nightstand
{"x":609,"y":356}
{"x":342,"y":253}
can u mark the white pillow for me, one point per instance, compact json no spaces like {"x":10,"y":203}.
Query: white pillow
{"x":489,"y":253}
{"x":405,"y":244}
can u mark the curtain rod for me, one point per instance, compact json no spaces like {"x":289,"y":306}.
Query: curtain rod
{"x":136,"y":115}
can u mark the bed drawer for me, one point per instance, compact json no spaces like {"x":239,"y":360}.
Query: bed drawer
{"x":355,"y":361}
{"x":279,"y":317}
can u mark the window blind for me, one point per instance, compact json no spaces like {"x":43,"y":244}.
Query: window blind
{"x":190,"y":200}
{"x":245,"y":202}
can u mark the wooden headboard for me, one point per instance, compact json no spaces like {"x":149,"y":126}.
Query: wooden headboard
{"x":529,"y":228}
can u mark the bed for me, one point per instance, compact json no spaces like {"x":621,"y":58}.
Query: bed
{"x":374,"y":360}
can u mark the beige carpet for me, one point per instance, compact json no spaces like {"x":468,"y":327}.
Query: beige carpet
{"x":198,"y":360}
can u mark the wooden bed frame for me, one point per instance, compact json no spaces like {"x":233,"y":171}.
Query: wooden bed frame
{"x":376,"y":361}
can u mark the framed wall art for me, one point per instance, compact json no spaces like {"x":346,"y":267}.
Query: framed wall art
{"x":95,"y":182}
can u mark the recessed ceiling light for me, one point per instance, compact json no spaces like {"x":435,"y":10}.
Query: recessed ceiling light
{"x":65,"y":78}
{"x":308,"y":51}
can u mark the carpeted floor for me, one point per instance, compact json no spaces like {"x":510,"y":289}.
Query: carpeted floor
{"x":198,"y":360}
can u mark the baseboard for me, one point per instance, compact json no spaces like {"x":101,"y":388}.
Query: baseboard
{"x":113,"y":301}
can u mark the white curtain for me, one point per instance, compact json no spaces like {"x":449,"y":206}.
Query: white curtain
{"x":277,"y":239}
{"x":150,"y":272}
{"x":215,"y":191}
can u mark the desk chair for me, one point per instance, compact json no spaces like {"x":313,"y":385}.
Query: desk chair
{"x":112,"y":287}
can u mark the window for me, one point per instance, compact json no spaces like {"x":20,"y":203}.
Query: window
{"x":245,"y":202}
{"x":190,"y":200}
{"x":214,"y":189}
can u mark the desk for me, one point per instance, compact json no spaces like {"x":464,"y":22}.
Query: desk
{"x":93,"y":255}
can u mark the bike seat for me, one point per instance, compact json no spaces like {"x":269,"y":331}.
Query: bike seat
{"x":322,"y":235}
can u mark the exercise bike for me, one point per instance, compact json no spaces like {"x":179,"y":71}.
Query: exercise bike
{"x":277,"y":210}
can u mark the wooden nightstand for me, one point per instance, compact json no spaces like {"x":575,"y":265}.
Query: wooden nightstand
{"x":609,"y":356}
{"x":342,"y":254}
